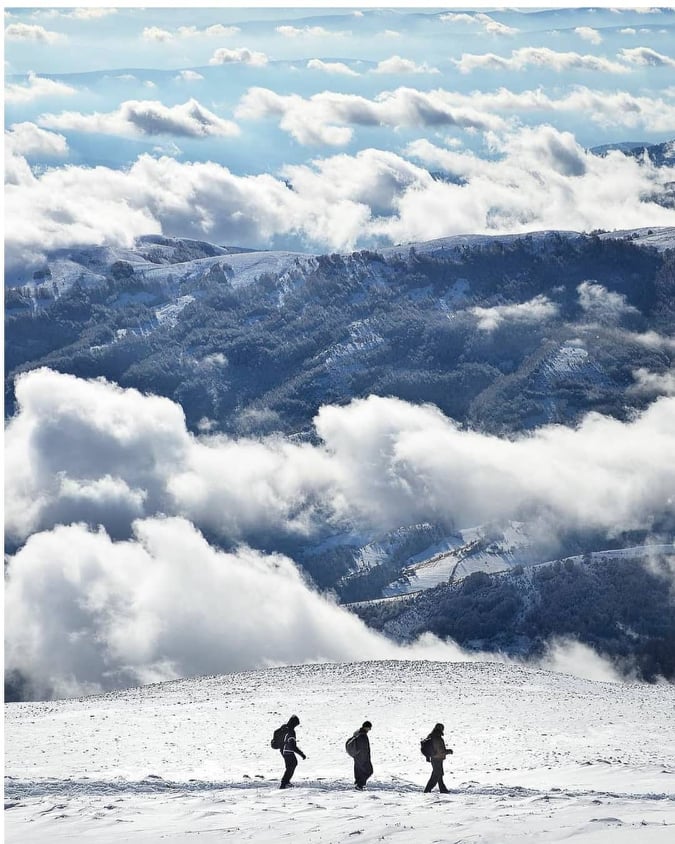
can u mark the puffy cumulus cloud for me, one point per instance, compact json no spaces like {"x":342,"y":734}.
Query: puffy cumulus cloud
{"x":601,"y":304}
{"x":156,"y":33}
{"x":487,"y":23}
{"x":587,"y":33}
{"x":28,"y":139}
{"x":90,"y":451}
{"x":654,"y":383}
{"x":80,"y":14}
{"x":646,"y":57}
{"x":146,"y":117}
{"x":542,"y":180}
{"x":241,"y":55}
{"x":93,"y":13}
{"x":87,"y":206}
{"x":652,"y":340}
{"x":542,"y":57}
{"x":396,"y":64}
{"x":188,"y":76}
{"x":325,"y":117}
{"x":117,"y":425}
{"x":309,"y":32}
{"x":331,"y":67}
{"x":36,"y":87}
{"x":391,"y":33}
{"x":619,"y":109}
{"x":84,"y":613}
{"x":32,"y":32}
{"x":538,"y":309}
{"x":628,"y":31}
{"x":217,"y":30}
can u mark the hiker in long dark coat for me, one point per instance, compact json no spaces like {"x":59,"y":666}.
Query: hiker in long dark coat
{"x":289,"y":750}
{"x":363,"y":768}
{"x":437,"y":753}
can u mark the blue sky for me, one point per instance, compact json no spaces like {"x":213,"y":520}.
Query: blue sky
{"x":277,"y":101}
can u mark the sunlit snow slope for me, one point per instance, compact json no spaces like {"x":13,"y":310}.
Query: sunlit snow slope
{"x":538,"y":757}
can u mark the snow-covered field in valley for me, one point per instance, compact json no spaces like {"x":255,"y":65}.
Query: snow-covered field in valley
{"x":538,"y":756}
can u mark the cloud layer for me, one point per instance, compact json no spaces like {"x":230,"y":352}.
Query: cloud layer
{"x":115,"y":583}
{"x":88,"y":450}
{"x":85,"y":614}
{"x":337,"y":202}
{"x":147,"y":117}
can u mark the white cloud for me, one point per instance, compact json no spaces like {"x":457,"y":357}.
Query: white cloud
{"x":84,"y":613}
{"x":587,"y":33}
{"x":309,"y":32}
{"x":156,"y":33}
{"x":91,"y":451}
{"x":146,"y":117}
{"x":216,"y":30}
{"x":654,"y":383}
{"x":188,"y":76}
{"x":391,"y":33}
{"x":331,"y":67}
{"x":651,"y":340}
{"x":91,"y":13}
{"x":38,"y":86}
{"x":396,"y":64}
{"x":32,"y":32}
{"x":322,"y":117}
{"x":487,"y":23}
{"x":601,"y":304}
{"x":538,"y":57}
{"x":28,"y":139}
{"x":325,"y":117}
{"x":571,"y":657}
{"x":646,"y":57}
{"x":628,"y":31}
{"x":240,"y":55}
{"x":538,"y":309}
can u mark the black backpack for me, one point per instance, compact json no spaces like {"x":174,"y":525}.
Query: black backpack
{"x":279,"y":736}
{"x":350,"y":746}
{"x":425,"y":747}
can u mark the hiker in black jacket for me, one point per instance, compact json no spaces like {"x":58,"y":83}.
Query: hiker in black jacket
{"x":363,"y":767}
{"x":437,"y":751}
{"x":289,"y":750}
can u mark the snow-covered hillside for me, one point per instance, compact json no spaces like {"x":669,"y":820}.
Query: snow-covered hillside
{"x":537,"y":757}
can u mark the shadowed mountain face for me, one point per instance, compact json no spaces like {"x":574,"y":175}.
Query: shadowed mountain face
{"x":502,"y":334}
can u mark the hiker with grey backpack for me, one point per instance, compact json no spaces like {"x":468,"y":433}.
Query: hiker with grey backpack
{"x":358,"y":747}
{"x":434,"y":750}
{"x":284,"y":741}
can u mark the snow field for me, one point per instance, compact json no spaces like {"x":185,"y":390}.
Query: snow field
{"x":538,"y":757}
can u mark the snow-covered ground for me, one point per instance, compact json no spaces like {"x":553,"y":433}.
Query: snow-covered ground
{"x":538,"y":757}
